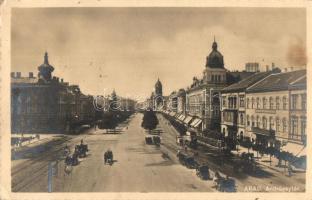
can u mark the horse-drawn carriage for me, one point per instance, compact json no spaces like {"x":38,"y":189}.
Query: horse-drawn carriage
{"x":156,"y":140}
{"x":224,"y":184}
{"x":72,"y":160}
{"x":108,"y":157}
{"x":152,"y":139}
{"x":202,"y":171}
{"x":187,"y":160}
{"x":82,"y":150}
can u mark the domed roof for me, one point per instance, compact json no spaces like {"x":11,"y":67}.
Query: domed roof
{"x":45,"y":70}
{"x":215,"y":58}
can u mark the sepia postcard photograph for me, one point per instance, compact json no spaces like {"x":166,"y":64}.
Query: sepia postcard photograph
{"x":154,"y":99}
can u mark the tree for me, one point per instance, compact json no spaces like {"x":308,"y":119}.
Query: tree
{"x":109,"y":121}
{"x":150,"y":120}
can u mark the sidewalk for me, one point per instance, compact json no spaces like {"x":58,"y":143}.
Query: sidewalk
{"x":265,"y":160}
{"x":31,"y":139}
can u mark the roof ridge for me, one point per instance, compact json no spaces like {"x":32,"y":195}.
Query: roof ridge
{"x":298,"y":79}
{"x":253,"y":85}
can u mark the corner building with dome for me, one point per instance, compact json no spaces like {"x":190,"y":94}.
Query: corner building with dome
{"x":203,"y":96}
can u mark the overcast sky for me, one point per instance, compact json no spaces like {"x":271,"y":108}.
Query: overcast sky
{"x":129,"y":48}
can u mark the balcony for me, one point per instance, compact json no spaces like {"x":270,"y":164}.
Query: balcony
{"x":266,"y":111}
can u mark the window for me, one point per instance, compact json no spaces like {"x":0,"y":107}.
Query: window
{"x":224,"y":101}
{"x":258,"y":121}
{"x":271,"y":123}
{"x":277,"y":103}
{"x":235,"y":100}
{"x":247,"y":102}
{"x":212,"y":78}
{"x":284,"y":125}
{"x":277,"y":124}
{"x":248,"y":122}
{"x":303,"y":126}
{"x":271,"y":103}
{"x":252,"y":121}
{"x":294,"y":98}
{"x":258,"y":103}
{"x":284,"y":103}
{"x":241,"y":118}
{"x":264,"y":122}
{"x":304,"y":101}
{"x":294,"y":127}
{"x":241,"y":101}
{"x":264,"y":103}
{"x":252,"y":102}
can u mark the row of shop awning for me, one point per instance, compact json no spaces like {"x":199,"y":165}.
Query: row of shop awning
{"x":186,"y":119}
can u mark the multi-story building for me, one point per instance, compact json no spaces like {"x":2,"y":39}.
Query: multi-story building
{"x":181,"y":101}
{"x":202,"y":98}
{"x":275,"y":109}
{"x":47,"y":104}
{"x":233,"y":105}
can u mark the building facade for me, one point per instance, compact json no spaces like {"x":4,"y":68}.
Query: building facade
{"x":275,"y":110}
{"x":233,"y":108}
{"x":47,"y":104}
{"x":202,"y":98}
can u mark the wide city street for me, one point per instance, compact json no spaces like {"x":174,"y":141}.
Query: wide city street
{"x":137,"y":167}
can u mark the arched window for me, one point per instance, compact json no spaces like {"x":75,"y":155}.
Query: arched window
{"x":252,"y":102}
{"x":258,"y":121}
{"x":252,"y":121}
{"x":271,"y":123}
{"x":264,"y":103}
{"x":264,"y":122}
{"x":248,"y":122}
{"x":258,"y":103}
{"x":241,"y":118}
{"x":271,"y":103}
{"x":284,"y":103}
{"x":247,"y":102}
{"x":284,"y":124}
{"x":277,"y":103}
{"x":277,"y":124}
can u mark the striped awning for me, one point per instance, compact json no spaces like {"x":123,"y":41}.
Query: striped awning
{"x":172,"y":113}
{"x":194,"y":122}
{"x":187,"y":119}
{"x":197,"y":123}
{"x":181,"y":117}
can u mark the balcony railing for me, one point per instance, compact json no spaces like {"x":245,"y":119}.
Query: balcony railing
{"x":267,"y":111}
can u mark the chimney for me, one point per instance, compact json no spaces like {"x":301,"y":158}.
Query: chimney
{"x":18,"y":74}
{"x":62,"y":80}
{"x":31,"y":75}
{"x":12,"y":74}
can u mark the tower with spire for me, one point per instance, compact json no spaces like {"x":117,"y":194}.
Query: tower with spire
{"x":158,"y":94}
{"x":45,"y":69}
